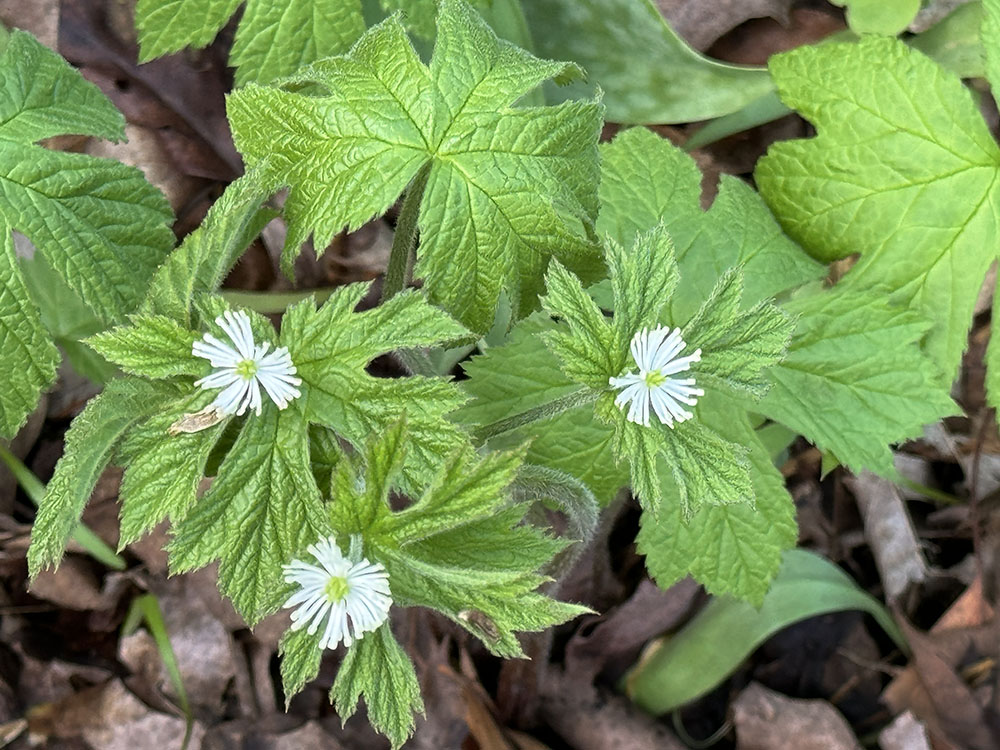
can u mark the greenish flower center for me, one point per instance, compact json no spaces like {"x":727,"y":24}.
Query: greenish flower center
{"x":654,"y":379}
{"x":246,"y":369}
{"x":336,"y":589}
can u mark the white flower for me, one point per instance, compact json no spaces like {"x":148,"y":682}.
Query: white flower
{"x":654,"y":353}
{"x":339,"y":592}
{"x":241,"y":371}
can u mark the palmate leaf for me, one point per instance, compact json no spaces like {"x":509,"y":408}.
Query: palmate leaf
{"x":736,"y":548}
{"x":274,"y":37}
{"x":903,"y":170}
{"x":855,"y":380}
{"x":90,"y":444}
{"x":97,"y":222}
{"x":262,"y":510}
{"x":731,"y":548}
{"x":507,"y":188}
{"x":524,"y":374}
{"x":459,"y":548}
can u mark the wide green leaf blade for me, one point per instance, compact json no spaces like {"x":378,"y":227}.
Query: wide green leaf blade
{"x":646,"y":180}
{"x":854,"y":380}
{"x":648,"y":73}
{"x":378,"y":669}
{"x":26,"y":353}
{"x":508,"y":187}
{"x":261,"y":512}
{"x":166,"y":26}
{"x":332,"y":346}
{"x":274,"y":37}
{"x":731,"y":548}
{"x":98,"y":223}
{"x":711,"y":646}
{"x":904,"y":170}
{"x":89,"y":444}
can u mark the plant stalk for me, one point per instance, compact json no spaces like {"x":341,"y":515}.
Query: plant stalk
{"x":404,"y":242}
{"x":544,"y":411}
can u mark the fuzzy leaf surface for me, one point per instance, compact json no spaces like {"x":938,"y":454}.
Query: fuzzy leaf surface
{"x":152,"y":345}
{"x":377,"y":668}
{"x":707,"y":468}
{"x":262,"y":511}
{"x":523,"y":374}
{"x":90,"y":443}
{"x":508,"y":188}
{"x":646,"y":180}
{"x":274,"y":38}
{"x":163,"y":470}
{"x":736,"y":548}
{"x":26,"y":352}
{"x":431,"y":548}
{"x":332,"y":346}
{"x":459,"y":548}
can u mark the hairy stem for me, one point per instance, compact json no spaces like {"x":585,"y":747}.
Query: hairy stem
{"x":544,"y":411}
{"x":404,"y":243}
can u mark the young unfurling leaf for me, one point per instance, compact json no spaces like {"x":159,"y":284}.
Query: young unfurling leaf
{"x":661,"y":378}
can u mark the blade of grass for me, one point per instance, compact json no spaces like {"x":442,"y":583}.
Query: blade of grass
{"x":147,"y":607}
{"x":92,"y":544}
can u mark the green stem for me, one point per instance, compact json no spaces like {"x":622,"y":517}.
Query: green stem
{"x":929,"y":492}
{"x":404,"y":242}
{"x":35,"y":490}
{"x":544,"y":411}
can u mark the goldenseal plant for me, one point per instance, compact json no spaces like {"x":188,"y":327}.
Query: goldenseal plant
{"x":605,"y":330}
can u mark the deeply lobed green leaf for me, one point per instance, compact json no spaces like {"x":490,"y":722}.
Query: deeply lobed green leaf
{"x":508,"y":188}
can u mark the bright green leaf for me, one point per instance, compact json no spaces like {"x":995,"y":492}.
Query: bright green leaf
{"x":879,"y":16}
{"x":377,"y":668}
{"x":163,"y":470}
{"x":90,"y":442}
{"x":201,"y":262}
{"x":733,"y":548}
{"x":646,"y":180}
{"x":100,"y":225}
{"x":152,"y":345}
{"x":738,"y":346}
{"x":507,"y":189}
{"x":331,"y":348}
{"x":593,"y":350}
{"x":274,"y":37}
{"x":262,"y":510}
{"x":523,"y":374}
{"x":903,"y":170}
{"x":26,"y":353}
{"x":854,"y":380}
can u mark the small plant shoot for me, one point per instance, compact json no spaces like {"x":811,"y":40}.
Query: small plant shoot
{"x":563,"y":324}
